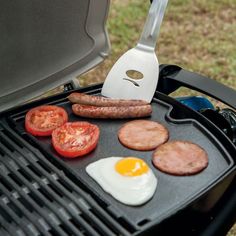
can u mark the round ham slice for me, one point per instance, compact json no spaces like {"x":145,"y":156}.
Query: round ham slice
{"x":180,"y":158}
{"x":143,"y":135}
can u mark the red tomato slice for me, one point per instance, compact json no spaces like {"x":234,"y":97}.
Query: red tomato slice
{"x":75,"y":139}
{"x":42,"y":120}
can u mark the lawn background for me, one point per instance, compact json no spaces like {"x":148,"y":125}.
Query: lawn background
{"x":197,"y":35}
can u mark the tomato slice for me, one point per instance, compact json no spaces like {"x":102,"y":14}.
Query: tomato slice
{"x":75,"y":139}
{"x":42,"y":120}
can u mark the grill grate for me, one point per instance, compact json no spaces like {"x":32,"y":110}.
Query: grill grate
{"x":38,"y":198}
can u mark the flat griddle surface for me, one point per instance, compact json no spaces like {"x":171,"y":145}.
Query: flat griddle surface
{"x":173,"y":193}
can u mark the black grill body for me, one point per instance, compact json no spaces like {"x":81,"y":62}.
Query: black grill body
{"x":44,"y":194}
{"x":43,"y":45}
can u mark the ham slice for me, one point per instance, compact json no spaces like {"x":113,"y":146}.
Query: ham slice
{"x":180,"y":158}
{"x":143,"y":135}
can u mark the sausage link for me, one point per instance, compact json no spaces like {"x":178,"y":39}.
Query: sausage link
{"x":85,"y":99}
{"x":112,"y":112}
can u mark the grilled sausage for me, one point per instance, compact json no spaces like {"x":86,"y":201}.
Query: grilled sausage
{"x":86,"y":99}
{"x":180,"y":158}
{"x":143,"y":135}
{"x":112,"y":112}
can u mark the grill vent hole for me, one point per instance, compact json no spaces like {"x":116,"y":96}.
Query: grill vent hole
{"x":45,"y":194}
{"x":53,"y":232}
{"x":143,"y":222}
{"x":44,"y":167}
{"x":2,"y":153}
{"x":103,"y":221}
{"x":6,"y":184}
{"x":66,"y":229}
{"x":5,"y":215}
{"x":26,"y":204}
{"x":36,"y":199}
{"x":25,"y":175}
{"x":75,"y":224}
{"x":57,"y":191}
{"x":34,"y":170}
{"x":15,"y":179}
{"x":126,"y":224}
{"x":15,"y":209}
{"x":62,"y":182}
{"x":7,"y":145}
{"x":12,"y":138}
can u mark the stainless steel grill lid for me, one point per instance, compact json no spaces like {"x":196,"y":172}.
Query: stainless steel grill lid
{"x":44,"y":44}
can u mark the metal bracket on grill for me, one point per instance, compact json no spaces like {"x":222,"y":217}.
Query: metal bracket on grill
{"x":72,"y":85}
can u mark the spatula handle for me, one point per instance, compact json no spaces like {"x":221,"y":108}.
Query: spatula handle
{"x":152,"y":25}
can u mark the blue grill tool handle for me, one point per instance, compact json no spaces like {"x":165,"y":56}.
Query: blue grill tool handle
{"x":197,"y":103}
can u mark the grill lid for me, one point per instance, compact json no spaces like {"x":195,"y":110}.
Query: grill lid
{"x":43,"y":44}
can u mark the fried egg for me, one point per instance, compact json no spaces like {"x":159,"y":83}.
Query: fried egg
{"x":129,"y":179}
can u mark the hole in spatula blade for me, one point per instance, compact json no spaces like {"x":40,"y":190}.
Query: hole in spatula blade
{"x":133,"y":82}
{"x":134,"y":74}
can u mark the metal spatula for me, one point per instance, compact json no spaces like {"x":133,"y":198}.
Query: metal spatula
{"x":135,"y":74}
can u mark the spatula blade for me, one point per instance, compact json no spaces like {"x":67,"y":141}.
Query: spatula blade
{"x":119,"y":85}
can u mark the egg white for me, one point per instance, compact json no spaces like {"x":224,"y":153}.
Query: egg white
{"x":130,"y":190}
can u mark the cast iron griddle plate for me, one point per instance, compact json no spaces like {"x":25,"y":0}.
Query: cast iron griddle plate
{"x":173,"y":193}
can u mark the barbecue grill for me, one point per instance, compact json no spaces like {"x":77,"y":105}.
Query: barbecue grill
{"x":45,"y":44}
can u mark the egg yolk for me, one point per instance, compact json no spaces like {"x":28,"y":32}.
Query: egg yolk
{"x":131,"y":166}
